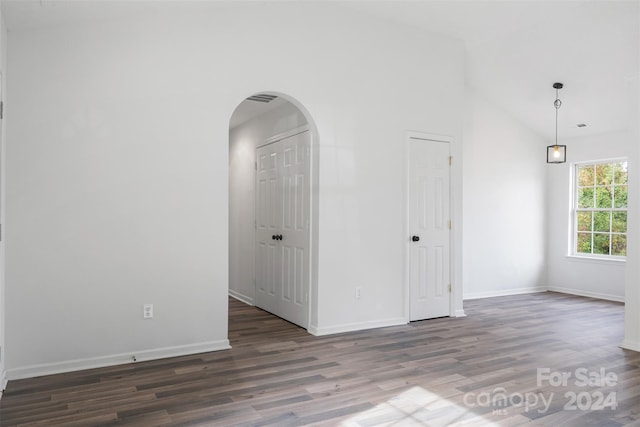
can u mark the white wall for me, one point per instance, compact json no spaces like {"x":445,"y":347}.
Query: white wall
{"x":117,"y":174}
{"x":503,"y":204}
{"x":595,"y":278}
{"x":362,"y":172}
{"x":243,"y":141}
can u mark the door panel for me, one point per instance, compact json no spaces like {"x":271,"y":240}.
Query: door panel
{"x":267,"y":272}
{"x":294,"y":228}
{"x":429,"y":259}
{"x":285,"y":194}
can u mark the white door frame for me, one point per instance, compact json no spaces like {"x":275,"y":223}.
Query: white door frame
{"x":409,"y":135}
{"x":283,"y":135}
{"x":271,"y":140}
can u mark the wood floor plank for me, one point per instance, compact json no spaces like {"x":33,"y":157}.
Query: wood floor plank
{"x":433,"y":373}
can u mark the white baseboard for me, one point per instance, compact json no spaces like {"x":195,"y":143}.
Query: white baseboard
{"x":630,"y":345}
{"x":582,"y":293}
{"x":357,"y":326}
{"x":3,"y":382}
{"x":116,"y":359}
{"x":504,"y":292}
{"x":240,"y":297}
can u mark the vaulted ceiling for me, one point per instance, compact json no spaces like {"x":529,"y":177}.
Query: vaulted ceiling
{"x":516,"y":50}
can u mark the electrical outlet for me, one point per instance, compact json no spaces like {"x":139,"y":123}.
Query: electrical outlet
{"x":358,"y":292}
{"x":147,"y":311}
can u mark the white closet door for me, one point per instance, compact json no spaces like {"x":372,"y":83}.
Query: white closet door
{"x":267,"y":227}
{"x":429,"y":207}
{"x":282,"y":253}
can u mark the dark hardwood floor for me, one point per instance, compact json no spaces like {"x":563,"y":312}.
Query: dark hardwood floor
{"x":478,"y":370}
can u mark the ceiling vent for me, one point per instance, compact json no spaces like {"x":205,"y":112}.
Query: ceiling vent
{"x":262,"y":97}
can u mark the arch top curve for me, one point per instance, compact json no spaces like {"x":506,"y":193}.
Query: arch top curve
{"x":261,"y":102}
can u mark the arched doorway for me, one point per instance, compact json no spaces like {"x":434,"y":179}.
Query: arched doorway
{"x":271,"y":206}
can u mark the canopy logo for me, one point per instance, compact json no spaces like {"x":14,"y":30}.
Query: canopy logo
{"x":500,"y":400}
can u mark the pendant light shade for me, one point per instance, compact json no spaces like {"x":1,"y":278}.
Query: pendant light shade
{"x":557,"y":153}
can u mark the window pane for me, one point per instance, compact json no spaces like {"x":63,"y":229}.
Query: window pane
{"x":619,"y":224}
{"x":619,"y":245}
{"x":604,"y":198}
{"x":586,"y":176}
{"x":600,"y":206}
{"x":583,"y":245}
{"x":620,"y":173}
{"x":584,"y":221}
{"x":601,"y":221}
{"x":585,"y":197}
{"x":601,"y":244}
{"x":604,"y":174}
{"x":620,"y":196}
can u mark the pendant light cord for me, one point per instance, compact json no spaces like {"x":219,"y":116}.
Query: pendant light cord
{"x":556,"y":117}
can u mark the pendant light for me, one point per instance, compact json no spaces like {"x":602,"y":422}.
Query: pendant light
{"x":557,"y":153}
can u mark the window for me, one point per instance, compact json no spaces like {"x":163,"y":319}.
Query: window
{"x":600,"y":209}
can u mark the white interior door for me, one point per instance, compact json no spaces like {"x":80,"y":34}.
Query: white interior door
{"x":282,"y":235}
{"x":267,"y":228}
{"x":429,"y":225}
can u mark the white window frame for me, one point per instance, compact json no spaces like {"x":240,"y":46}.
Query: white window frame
{"x":573,"y":253}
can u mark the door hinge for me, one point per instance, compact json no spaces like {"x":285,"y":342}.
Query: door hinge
{"x":450,"y":160}
{"x":449,"y":287}
{"x":255,"y":165}
{"x":450,"y":225}
{"x":1,"y":110}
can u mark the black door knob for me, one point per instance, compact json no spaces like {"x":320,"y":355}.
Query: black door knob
{"x":274,"y":237}
{"x":415,"y":238}
{"x":279,"y":236}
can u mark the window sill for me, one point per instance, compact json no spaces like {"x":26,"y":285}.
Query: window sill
{"x":596,"y":260}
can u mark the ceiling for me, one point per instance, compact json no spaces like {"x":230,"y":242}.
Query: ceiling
{"x":247,"y":110}
{"x":516,"y":50}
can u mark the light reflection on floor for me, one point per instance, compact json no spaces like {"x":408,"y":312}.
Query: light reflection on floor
{"x":417,"y":407}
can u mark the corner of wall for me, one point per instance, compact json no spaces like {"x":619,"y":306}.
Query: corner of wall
{"x":240,"y":297}
{"x":3,"y":68}
{"x":632,"y":293}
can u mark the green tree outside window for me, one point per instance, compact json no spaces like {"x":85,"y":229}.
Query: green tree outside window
{"x":600,"y":207}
